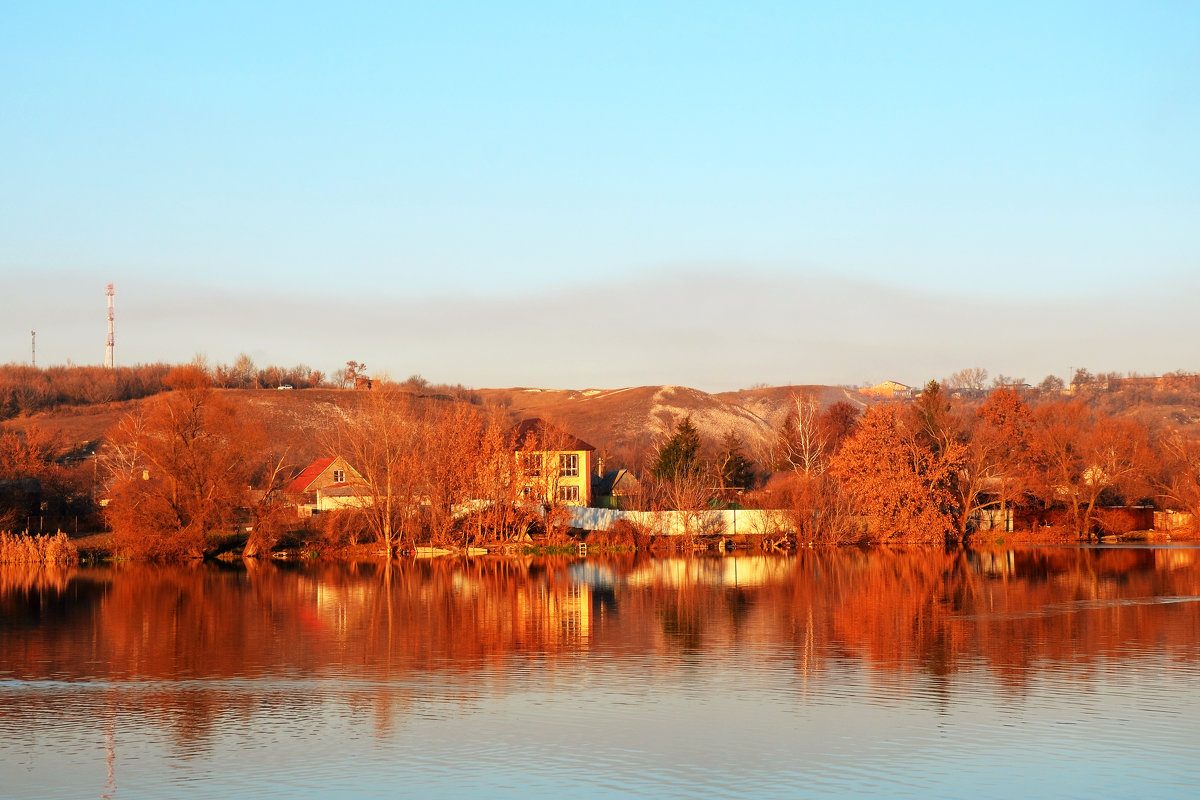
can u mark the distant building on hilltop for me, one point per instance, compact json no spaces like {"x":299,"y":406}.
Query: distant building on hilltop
{"x":892,"y":390}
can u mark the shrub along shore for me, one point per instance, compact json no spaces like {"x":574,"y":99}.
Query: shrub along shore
{"x":19,"y":548}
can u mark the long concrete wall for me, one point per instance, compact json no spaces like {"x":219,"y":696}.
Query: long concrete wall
{"x":680,"y":523}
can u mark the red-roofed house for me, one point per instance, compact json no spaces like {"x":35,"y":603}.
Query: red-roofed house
{"x":327,"y":484}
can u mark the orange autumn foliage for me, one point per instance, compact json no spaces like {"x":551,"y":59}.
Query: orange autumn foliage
{"x":897,"y":481}
{"x":179,"y":469}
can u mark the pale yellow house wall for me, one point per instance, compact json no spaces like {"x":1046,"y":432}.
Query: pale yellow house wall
{"x":340,"y":502}
{"x":583,"y":480}
{"x":550,"y":481}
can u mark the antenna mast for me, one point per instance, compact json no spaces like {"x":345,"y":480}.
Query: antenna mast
{"x":33,"y":348}
{"x":108,"y":351}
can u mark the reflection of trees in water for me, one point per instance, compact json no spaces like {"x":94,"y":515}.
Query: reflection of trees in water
{"x":31,"y":594}
{"x":683,"y":619}
{"x":939,"y":612}
{"x":384,"y":628}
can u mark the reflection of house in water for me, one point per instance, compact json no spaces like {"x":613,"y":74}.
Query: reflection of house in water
{"x":992,"y":562}
{"x":539,"y":613}
{"x":1174,"y":558}
{"x":598,"y":576}
{"x":741,"y":571}
{"x":557,"y":615}
{"x":341,"y":608}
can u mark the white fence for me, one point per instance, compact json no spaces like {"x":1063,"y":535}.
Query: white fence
{"x":679,"y":523}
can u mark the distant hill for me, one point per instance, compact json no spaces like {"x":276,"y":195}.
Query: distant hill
{"x":292,"y":418}
{"x":623,"y":424}
{"x":620,"y":423}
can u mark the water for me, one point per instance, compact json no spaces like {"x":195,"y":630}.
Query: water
{"x":1042,"y":672}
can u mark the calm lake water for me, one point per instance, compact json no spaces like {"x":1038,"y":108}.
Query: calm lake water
{"x":1004,"y":673}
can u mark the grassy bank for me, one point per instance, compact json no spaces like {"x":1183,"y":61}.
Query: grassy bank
{"x":18,"y":548}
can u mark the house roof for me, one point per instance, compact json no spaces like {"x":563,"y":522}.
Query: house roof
{"x":603,"y":484}
{"x":537,"y":434}
{"x":301,"y":482}
{"x":613,"y":480}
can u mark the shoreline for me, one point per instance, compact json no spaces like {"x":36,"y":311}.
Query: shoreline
{"x":99,"y":547}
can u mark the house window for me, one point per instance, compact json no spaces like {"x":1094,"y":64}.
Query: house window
{"x":531,"y":463}
{"x":568,"y":465}
{"x":339,"y":476}
{"x":568,"y":494}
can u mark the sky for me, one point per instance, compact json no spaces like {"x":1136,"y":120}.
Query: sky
{"x":579,"y":195}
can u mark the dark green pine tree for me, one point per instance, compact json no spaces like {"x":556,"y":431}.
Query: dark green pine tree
{"x":680,"y":455}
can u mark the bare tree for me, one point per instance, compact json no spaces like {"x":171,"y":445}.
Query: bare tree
{"x":991,"y":474}
{"x":818,"y":510}
{"x":1007,"y":382}
{"x":972,"y":378}
{"x":1051,"y":384}
{"x":1080,"y":454}
{"x":1178,"y":476}
{"x":801,"y":443}
{"x":450,"y":438}
{"x":496,"y":486}
{"x":687,"y":493}
{"x":268,"y":517}
{"x":353,"y":371}
{"x":180,"y":470}
{"x":379,"y":437}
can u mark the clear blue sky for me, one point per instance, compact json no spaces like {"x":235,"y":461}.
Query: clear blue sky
{"x":714,"y":194}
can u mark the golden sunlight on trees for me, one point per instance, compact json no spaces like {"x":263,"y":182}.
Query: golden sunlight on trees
{"x":380,"y":437}
{"x":1079,"y":455}
{"x":1177,"y":477}
{"x":494,"y":511}
{"x":681,"y":480}
{"x":354,"y":371}
{"x":440,"y":467}
{"x":801,"y":443}
{"x":812,"y":501}
{"x":450,"y":442}
{"x":993,"y":465}
{"x":733,"y":469}
{"x":27,"y":472}
{"x":178,"y":469}
{"x":679,"y":455}
{"x":25,"y":389}
{"x":938,"y":431}
{"x":431,"y":469}
{"x":895,"y":479}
